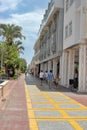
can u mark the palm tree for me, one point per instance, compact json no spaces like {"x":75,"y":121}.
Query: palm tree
{"x":10,"y":32}
{"x":18,"y":45}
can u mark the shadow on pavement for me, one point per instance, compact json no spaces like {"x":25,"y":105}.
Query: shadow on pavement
{"x":31,"y":80}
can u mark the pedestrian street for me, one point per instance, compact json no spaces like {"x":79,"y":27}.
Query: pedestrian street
{"x":53,"y":110}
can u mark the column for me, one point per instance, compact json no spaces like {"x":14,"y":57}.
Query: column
{"x":46,"y":66}
{"x":82,"y":87}
{"x":55,"y":62}
{"x":41,"y":66}
{"x":49,"y":66}
{"x":61,"y":70}
{"x":64,"y":70}
{"x":71,"y":65}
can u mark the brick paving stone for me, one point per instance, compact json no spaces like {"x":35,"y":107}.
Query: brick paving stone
{"x":58,"y":100}
{"x":45,"y":117}
{"x":69,"y":105}
{"x":57,"y":125}
{"x":79,"y":97}
{"x":83,"y":124}
{"x":47,"y":113}
{"x":42,"y":106}
{"x":77,"y":113}
{"x":14,"y":110}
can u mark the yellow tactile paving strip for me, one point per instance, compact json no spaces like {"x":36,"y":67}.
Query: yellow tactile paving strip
{"x":38,"y":100}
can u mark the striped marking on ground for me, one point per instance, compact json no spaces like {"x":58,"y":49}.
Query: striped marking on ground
{"x":35,"y":107}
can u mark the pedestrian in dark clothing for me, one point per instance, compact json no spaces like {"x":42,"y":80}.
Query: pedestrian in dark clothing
{"x":50,"y":78}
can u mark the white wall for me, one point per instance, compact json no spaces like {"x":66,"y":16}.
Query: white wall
{"x":78,"y":18}
{"x":69,"y":16}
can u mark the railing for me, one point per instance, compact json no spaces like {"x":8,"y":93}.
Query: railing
{"x":46,"y":15}
{"x":78,"y":3}
{"x":48,"y":10}
{"x":53,"y":47}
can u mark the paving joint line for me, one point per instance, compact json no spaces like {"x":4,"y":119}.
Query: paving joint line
{"x":69,"y":118}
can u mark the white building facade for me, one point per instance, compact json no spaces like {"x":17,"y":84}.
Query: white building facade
{"x":74,"y":58}
{"x":50,"y":38}
{"x":62,"y":42}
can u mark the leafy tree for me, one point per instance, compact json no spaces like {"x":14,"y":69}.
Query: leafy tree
{"x":22,"y":65}
{"x":11,"y":49}
{"x":10,"y":54}
{"x":10,"y":58}
{"x":19,"y":47}
{"x":0,"y":50}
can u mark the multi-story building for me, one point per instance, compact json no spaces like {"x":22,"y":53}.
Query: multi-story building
{"x":36,"y":58}
{"x":50,"y":40}
{"x":62,"y":42}
{"x":31,"y":67}
{"x":74,"y":57}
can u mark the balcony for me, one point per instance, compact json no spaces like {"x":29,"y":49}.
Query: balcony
{"x":48,"y":34}
{"x":54,"y":27}
{"x":54,"y":38}
{"x":48,"y":51}
{"x":44,"y":56}
{"x":53,"y":48}
{"x":53,"y":7}
{"x":78,"y":3}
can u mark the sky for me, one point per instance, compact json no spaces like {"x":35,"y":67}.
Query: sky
{"x":25,"y":13}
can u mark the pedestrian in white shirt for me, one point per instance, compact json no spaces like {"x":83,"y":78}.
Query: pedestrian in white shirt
{"x":41,"y":76}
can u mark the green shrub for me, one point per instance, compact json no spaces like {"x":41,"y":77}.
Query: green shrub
{"x":15,"y":77}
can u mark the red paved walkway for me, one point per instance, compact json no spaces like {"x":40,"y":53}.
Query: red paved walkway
{"x":13,"y":111}
{"x":13,"y":115}
{"x":81,"y":98}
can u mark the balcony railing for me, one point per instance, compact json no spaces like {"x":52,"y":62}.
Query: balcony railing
{"x":53,"y":27}
{"x":48,"y":51}
{"x":48,"y":10}
{"x":53,"y":47}
{"x":78,"y":3}
{"x":46,"y":15}
{"x":54,"y":38}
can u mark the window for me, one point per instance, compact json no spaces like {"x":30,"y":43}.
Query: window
{"x":70,"y":28}
{"x":67,"y":4}
{"x":71,"y":1}
{"x":66,"y":31}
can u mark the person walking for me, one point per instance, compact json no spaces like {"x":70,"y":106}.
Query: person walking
{"x":41,"y":76}
{"x":50,"y":78}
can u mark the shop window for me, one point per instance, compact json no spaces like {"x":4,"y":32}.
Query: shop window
{"x":67,"y":4}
